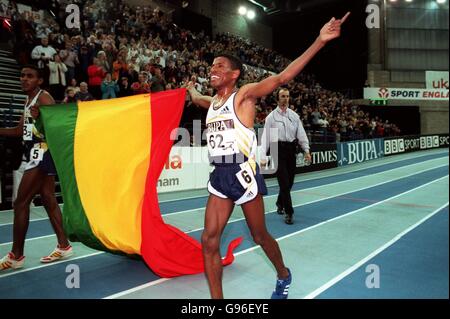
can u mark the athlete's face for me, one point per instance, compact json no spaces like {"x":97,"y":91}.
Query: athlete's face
{"x":221,"y":73}
{"x":283,"y":98}
{"x":29,"y":80}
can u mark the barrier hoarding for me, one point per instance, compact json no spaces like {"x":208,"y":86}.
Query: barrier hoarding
{"x":323,"y":156}
{"x":406,"y":94}
{"x":360,"y":151}
{"x":407,"y":144}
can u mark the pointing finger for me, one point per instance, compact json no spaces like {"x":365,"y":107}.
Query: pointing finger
{"x":345,"y":17}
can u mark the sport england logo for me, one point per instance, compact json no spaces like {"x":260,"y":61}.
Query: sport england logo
{"x":383,"y":93}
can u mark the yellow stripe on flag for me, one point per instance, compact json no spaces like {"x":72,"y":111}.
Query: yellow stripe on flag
{"x":112,"y":147}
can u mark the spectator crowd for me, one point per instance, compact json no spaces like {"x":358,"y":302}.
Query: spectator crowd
{"x":121,"y":50}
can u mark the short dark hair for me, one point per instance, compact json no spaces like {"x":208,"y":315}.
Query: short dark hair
{"x":40,"y":73}
{"x":282,"y":89}
{"x":236,"y":63}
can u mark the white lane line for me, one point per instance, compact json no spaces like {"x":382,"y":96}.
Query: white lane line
{"x":29,"y":239}
{"x":46,"y":265}
{"x":31,"y":208}
{"x":153,"y":283}
{"x":31,"y":220}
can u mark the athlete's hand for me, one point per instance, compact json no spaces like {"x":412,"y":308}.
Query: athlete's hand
{"x":35,"y":111}
{"x":332,"y":29}
{"x":189,"y":85}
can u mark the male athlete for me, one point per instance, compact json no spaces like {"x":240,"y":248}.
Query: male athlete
{"x":39,"y":175}
{"x":236,"y":178}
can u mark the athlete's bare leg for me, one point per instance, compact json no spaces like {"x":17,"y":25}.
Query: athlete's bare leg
{"x":218,"y":211}
{"x":29,"y":186}
{"x":50,"y":203}
{"x":254,"y":215}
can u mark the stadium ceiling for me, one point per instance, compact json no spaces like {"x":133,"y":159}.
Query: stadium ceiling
{"x":272,"y":7}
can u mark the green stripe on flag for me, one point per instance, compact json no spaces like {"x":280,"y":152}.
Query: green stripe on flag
{"x":59,"y":123}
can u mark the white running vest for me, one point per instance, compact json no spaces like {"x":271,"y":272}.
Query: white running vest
{"x":30,"y":132}
{"x":33,"y":140}
{"x":227,"y":136}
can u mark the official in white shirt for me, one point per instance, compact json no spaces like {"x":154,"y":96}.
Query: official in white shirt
{"x":290,"y":134}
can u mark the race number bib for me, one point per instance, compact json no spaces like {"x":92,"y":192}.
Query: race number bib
{"x":221,"y":138}
{"x":27,"y":132}
{"x":245,"y":175}
{"x":36,"y":154}
{"x":222,"y":143}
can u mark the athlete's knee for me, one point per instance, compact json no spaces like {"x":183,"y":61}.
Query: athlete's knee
{"x":210,"y":242}
{"x":48,"y":200}
{"x":22,"y":202}
{"x":261,"y":238}
{"x":20,"y":205}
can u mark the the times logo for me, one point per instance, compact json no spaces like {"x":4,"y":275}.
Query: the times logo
{"x":324,"y":157}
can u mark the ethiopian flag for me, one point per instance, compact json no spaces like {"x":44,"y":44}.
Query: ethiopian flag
{"x":109,"y":155}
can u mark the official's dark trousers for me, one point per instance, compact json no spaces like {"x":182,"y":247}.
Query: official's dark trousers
{"x":285,"y":175}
